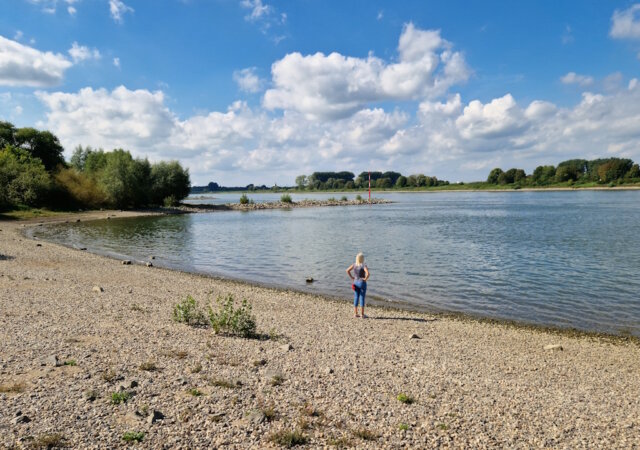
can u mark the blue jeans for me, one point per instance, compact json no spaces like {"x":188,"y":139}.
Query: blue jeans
{"x":359,"y":292}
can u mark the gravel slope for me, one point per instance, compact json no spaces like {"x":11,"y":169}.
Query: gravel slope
{"x":334,"y":377}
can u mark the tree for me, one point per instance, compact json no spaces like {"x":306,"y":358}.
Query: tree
{"x":393,"y":176}
{"x":125,"y":180}
{"x":301,"y":181}
{"x":23,"y":179}
{"x":494,"y":175}
{"x":383,"y":183}
{"x":543,"y":175}
{"x":401,"y":181}
{"x":7,"y":134}
{"x":41,"y":144}
{"x":634,"y":172}
{"x":170,"y":183}
{"x":212,"y":187}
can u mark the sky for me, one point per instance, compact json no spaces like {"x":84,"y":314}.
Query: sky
{"x":260,"y":91}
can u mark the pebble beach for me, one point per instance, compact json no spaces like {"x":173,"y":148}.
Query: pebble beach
{"x":90,"y":357}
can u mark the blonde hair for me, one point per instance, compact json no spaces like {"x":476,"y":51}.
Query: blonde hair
{"x":359,"y":259}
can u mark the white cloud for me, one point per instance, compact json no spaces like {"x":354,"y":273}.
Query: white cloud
{"x":21,"y":65}
{"x":248,"y":80}
{"x":81,"y":53}
{"x":19,"y":35}
{"x":380,"y":15}
{"x":118,"y":9}
{"x":625,"y":24}
{"x":17,"y":110}
{"x":116,"y":62}
{"x":71,"y":10}
{"x":334,"y":86}
{"x":574,"y":78}
{"x":501,"y":117}
{"x":51,"y":6}
{"x":567,"y":36}
{"x":258,"y":9}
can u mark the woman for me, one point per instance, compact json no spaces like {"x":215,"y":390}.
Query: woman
{"x":359,"y":277}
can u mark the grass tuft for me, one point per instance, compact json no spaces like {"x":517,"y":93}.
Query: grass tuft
{"x":288,"y":439}
{"x":222,"y":383}
{"x":49,"y":441}
{"x":120,"y":397}
{"x":189,"y":313}
{"x":231,"y":320}
{"x":133,"y":436}
{"x":148,"y":366}
{"x":70,"y":362}
{"x":13,"y":388}
{"x":406,"y":399}
{"x":195,"y":392}
{"x":365,"y":434}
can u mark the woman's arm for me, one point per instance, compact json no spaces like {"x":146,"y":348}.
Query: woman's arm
{"x":349,"y":271}
{"x":366,"y":272}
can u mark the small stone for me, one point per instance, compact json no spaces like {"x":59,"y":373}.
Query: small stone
{"x":553,"y":347}
{"x":328,"y":370}
{"x":154,"y":416}
{"x":149,"y":264}
{"x":52,"y":361}
{"x":152,"y":257}
{"x":286,"y":347}
{"x":414,"y":336}
{"x":309,"y":280}
{"x":38,"y":245}
{"x":133,"y":383}
{"x":82,"y":249}
{"x":77,"y":220}
{"x":126,"y":262}
{"x":20,"y":419}
{"x":97,"y":289}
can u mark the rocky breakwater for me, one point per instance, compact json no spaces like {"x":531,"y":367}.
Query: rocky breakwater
{"x":251,"y":206}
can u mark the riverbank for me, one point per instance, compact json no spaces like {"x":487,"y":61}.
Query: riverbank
{"x":334,"y":377}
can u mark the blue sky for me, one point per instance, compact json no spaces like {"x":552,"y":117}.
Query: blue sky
{"x":259,"y":91}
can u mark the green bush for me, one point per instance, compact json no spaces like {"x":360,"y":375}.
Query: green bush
{"x":406,"y":399}
{"x":120,"y":397}
{"x":170,"y":201}
{"x":230,"y":320}
{"x":359,"y":197}
{"x":23,"y":179}
{"x":286,"y":198}
{"x":331,"y":199}
{"x":244,"y":200}
{"x":133,"y":436}
{"x":188,"y":312}
{"x":344,"y":198}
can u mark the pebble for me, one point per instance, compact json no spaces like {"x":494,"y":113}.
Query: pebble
{"x":126,"y":262}
{"x":553,"y":347}
{"x":149,"y":264}
{"x":97,"y":289}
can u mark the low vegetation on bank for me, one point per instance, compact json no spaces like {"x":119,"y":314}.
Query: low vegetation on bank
{"x":34,"y":174}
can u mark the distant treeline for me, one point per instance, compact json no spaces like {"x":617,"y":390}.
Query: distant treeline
{"x":215,"y":187}
{"x":319,"y":181}
{"x":573,"y":171}
{"x":33,"y":173}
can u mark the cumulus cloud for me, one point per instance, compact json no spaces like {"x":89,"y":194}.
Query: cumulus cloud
{"x":335,"y":86}
{"x":574,"y":78}
{"x":116,"y":62}
{"x":21,"y":65}
{"x":248,"y":80}
{"x":449,"y":138}
{"x":81,"y":53}
{"x":625,"y":24}
{"x":118,"y":9}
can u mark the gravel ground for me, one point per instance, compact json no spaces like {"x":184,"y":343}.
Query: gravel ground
{"x":75,"y":328}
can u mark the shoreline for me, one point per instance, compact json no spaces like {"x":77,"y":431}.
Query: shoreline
{"x":391,"y":305}
{"x":78,"y":328}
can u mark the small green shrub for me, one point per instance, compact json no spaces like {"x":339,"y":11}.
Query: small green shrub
{"x":406,"y":399}
{"x":244,"y":200}
{"x":233,"y":321}
{"x":170,"y":201}
{"x":443,"y":426}
{"x":403,"y":427}
{"x":48,"y":441}
{"x":359,"y":197}
{"x":344,"y":198}
{"x":288,"y":438}
{"x":188,"y":312}
{"x":120,"y":397}
{"x":286,"y":198}
{"x":222,"y":383}
{"x":332,"y":199}
{"x":276,"y":380}
{"x":194,"y":392}
{"x":70,"y":362}
{"x":133,"y":436}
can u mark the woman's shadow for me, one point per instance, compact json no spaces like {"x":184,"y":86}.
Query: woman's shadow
{"x":408,"y":319}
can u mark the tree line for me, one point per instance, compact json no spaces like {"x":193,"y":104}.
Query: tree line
{"x":573,"y":171}
{"x":34,"y":173}
{"x":319,"y":181}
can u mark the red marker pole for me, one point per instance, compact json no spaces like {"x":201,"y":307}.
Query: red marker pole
{"x":369,"y":187}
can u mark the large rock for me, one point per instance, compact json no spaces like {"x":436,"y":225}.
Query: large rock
{"x":52,"y":361}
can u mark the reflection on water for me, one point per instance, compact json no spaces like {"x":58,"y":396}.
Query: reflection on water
{"x":554,"y":258}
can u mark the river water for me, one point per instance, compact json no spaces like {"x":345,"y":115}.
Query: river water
{"x":567,"y":259}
